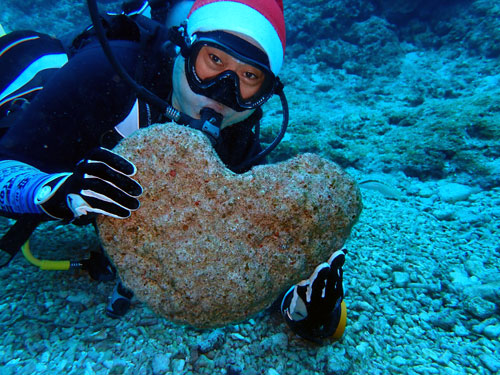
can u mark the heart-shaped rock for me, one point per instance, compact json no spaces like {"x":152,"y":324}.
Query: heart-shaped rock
{"x":207,"y":246}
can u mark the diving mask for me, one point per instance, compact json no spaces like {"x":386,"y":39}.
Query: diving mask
{"x":225,"y":86}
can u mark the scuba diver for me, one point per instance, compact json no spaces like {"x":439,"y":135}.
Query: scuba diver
{"x":66,"y":102}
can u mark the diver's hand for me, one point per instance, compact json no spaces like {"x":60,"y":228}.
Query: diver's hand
{"x":314,"y":308}
{"x":101,"y":183}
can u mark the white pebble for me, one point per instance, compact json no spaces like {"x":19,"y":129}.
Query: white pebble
{"x":446,"y":214}
{"x":108,"y":363}
{"x":240,"y":337}
{"x":374,"y":289}
{"x":492,"y":331}
{"x":399,"y":361}
{"x":401,"y":279}
{"x":492,"y":363}
{"x":161,"y":363}
{"x":461,"y":331}
{"x":178,"y":366}
{"x":81,"y":297}
{"x":452,"y":192}
{"x":362,"y":348}
{"x":426,"y":192}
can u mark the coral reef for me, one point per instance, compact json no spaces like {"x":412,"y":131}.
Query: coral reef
{"x":378,"y":70}
{"x":208,"y":246}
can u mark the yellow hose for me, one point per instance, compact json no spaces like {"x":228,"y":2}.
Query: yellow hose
{"x":2,"y":31}
{"x":52,"y":265}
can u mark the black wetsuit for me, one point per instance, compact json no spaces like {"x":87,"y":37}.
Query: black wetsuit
{"x":83,"y":102}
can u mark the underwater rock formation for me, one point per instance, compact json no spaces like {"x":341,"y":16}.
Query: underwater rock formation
{"x":207,"y":246}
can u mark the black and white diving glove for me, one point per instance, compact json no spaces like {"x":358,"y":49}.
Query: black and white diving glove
{"x":315,"y":308}
{"x":101,"y":183}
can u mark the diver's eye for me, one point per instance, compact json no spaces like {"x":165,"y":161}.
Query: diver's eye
{"x":251,"y":78}
{"x":215,"y":59}
{"x":250,"y":75}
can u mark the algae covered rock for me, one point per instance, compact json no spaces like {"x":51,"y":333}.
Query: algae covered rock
{"x":207,"y":246}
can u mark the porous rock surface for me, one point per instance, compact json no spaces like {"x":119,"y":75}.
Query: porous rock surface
{"x":207,"y":246}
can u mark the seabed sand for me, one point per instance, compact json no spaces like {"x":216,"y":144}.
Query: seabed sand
{"x":422,"y":275}
{"x":411,"y":288}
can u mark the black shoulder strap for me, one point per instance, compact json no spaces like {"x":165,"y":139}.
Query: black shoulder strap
{"x":17,"y":235}
{"x":159,"y":8}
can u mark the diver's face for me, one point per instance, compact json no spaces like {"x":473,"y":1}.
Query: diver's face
{"x":212,"y":61}
{"x":190,"y":103}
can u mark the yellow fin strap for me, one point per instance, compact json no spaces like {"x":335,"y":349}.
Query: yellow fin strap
{"x":342,"y":322}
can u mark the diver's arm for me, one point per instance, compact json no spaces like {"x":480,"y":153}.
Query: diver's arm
{"x":101,"y":183}
{"x":56,"y":131}
{"x":19,"y":185}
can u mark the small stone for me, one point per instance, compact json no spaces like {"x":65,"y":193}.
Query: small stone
{"x":324,"y":353}
{"x":240,"y":337}
{"x":81,"y":297}
{"x":361,"y":306}
{"x":214,"y":340}
{"x":460,"y":279}
{"x":425,"y":370}
{"x":276,"y":341}
{"x":203,"y":362}
{"x":399,"y":361}
{"x":401,"y":279}
{"x":453,"y":192}
{"x":461,"y":331}
{"x":492,"y":332}
{"x":491,"y":362}
{"x":474,"y":266}
{"x":9,"y":369}
{"x":446,"y":214}
{"x":480,"y":308}
{"x":424,"y":316}
{"x":489,"y":291}
{"x":42,"y":368}
{"x":374,"y":289}
{"x":234,"y":370}
{"x":363,"y":348}
{"x":338,"y":365}
{"x":161,"y":363}
{"x":108,"y":363}
{"x":61,"y":365}
{"x":479,"y":328}
{"x":178,"y":366}
{"x":100,"y":335}
{"x":444,"y":320}
{"x":118,"y":369}
{"x":468,"y":217}
{"x":443,"y":358}
{"x":147,"y":322}
{"x":389,"y":310}
{"x":426,"y":192}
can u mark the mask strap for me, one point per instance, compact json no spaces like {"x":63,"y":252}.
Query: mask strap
{"x":179,"y":36}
